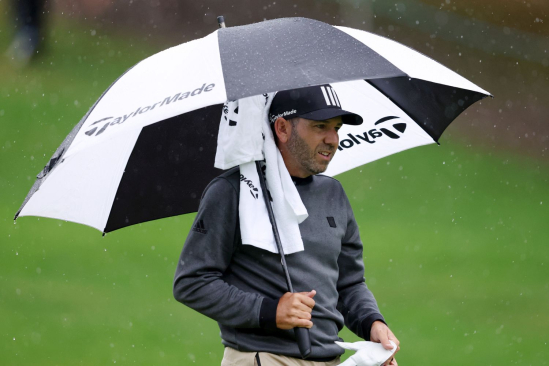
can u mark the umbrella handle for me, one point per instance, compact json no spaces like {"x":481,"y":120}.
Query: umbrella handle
{"x":303,"y":341}
{"x":301,"y":334}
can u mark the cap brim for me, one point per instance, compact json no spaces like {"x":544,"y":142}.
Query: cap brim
{"x":348,"y":118}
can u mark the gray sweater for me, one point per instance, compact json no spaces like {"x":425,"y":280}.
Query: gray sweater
{"x":239,"y":285}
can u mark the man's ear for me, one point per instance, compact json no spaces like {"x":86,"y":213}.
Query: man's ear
{"x":283,"y":129}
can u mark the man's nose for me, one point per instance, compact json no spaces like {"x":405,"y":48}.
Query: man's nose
{"x":331,"y":138}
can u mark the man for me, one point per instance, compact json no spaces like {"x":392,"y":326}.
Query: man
{"x":242,"y":287}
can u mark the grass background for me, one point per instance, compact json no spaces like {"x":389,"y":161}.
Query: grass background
{"x":455,"y":241}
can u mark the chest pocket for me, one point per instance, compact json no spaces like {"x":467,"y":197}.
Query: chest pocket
{"x":323,"y":234}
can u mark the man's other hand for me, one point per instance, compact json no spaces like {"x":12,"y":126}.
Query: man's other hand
{"x":380,"y":333}
{"x":294,"y":310}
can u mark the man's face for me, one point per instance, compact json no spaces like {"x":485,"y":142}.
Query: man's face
{"x":313,"y":144}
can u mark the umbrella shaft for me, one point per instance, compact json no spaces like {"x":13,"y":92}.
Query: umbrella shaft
{"x":273,"y":224}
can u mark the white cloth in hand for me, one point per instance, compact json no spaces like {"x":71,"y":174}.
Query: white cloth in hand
{"x":367,"y":353}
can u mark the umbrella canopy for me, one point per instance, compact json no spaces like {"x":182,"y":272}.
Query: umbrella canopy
{"x":146,"y":148}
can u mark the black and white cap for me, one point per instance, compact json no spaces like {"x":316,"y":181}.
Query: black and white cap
{"x":317,"y":103}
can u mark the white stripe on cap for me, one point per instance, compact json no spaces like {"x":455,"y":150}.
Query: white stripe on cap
{"x":333,"y":97}
{"x":336,"y":97}
{"x":326,"y":97}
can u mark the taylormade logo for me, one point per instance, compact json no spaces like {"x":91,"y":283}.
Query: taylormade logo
{"x":370,"y":136}
{"x":99,"y":126}
{"x":283,"y":114}
{"x":253,"y":191}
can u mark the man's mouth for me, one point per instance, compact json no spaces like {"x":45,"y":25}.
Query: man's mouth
{"x":326,"y":155}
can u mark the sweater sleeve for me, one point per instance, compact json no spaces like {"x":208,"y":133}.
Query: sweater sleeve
{"x":206,"y":255}
{"x":356,"y":302}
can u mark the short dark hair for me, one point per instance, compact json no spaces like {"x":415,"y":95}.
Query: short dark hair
{"x":293,"y":121}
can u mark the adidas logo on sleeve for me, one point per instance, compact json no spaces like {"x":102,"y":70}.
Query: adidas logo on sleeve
{"x":199,"y":227}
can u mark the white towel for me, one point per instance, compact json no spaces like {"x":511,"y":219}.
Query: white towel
{"x":244,"y":137}
{"x":239,"y":140}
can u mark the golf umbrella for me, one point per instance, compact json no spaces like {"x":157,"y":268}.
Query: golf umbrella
{"x":145,"y":150}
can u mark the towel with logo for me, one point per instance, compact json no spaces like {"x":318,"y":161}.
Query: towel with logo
{"x":245,"y":136}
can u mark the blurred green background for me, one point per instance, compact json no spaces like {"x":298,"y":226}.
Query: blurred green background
{"x":455,"y":235}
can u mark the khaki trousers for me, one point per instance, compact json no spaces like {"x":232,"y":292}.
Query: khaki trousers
{"x":232,"y":357}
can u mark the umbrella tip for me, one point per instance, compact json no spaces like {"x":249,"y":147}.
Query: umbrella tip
{"x":221,"y":21}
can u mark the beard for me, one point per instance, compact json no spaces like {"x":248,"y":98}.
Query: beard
{"x":306,"y":156}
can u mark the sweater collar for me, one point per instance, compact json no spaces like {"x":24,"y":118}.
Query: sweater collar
{"x":302,"y":181}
